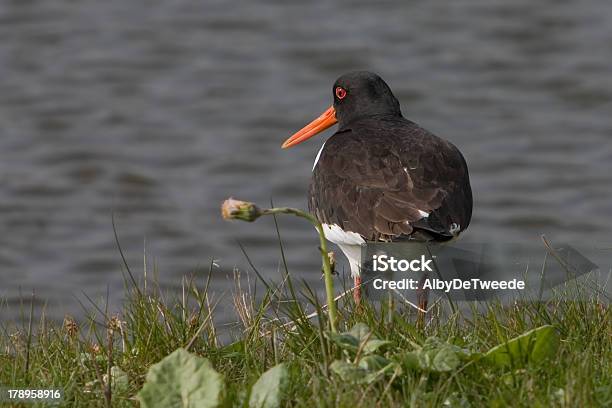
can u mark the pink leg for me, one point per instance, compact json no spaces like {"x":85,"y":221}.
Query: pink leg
{"x":357,"y":289}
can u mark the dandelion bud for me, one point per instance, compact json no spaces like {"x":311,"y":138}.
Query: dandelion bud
{"x":240,"y":210}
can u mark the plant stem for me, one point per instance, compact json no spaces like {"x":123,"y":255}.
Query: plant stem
{"x":327,"y":273}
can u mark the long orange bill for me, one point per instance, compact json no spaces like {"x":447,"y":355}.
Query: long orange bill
{"x":327,"y":119}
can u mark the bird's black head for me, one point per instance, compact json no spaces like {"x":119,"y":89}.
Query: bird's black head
{"x":356,"y":95}
{"x":360,"y":94}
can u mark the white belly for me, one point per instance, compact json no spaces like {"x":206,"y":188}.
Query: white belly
{"x":336,"y":235}
{"x":350,"y":244}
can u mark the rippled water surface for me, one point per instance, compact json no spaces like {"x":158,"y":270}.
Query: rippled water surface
{"x":157,"y":112}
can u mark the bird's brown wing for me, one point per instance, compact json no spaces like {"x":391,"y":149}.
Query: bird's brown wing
{"x":381,"y":181}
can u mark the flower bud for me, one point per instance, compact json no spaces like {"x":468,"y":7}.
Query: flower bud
{"x":240,"y":210}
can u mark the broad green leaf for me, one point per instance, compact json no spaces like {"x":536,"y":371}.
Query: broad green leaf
{"x":377,"y":367}
{"x":411,"y":360}
{"x":373,"y":345}
{"x":446,"y":359}
{"x":374,"y":362}
{"x":432,"y":343}
{"x":344,"y":340}
{"x":425,"y":359}
{"x":360,"y":331}
{"x":546,"y":344}
{"x":267,"y":392}
{"x":349,"y":372}
{"x":181,"y":379}
{"x":354,"y":338}
{"x":370,"y":369}
{"x":436,"y":356}
{"x":533,"y":346}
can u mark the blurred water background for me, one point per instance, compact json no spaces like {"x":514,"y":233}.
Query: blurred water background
{"x":158,"y":111}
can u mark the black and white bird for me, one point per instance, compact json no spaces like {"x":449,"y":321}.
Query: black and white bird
{"x":381,"y":177}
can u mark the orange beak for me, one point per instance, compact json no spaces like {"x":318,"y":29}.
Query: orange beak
{"x":327,"y":119}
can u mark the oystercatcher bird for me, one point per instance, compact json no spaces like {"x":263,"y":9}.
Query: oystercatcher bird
{"x":381,"y":177}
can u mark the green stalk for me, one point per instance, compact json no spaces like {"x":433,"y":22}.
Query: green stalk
{"x":233,"y":209}
{"x":327,"y":272}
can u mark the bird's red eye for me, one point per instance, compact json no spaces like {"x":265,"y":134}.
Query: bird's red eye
{"x":340,"y":92}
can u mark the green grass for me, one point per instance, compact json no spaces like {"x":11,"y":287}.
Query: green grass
{"x":274,"y":329}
